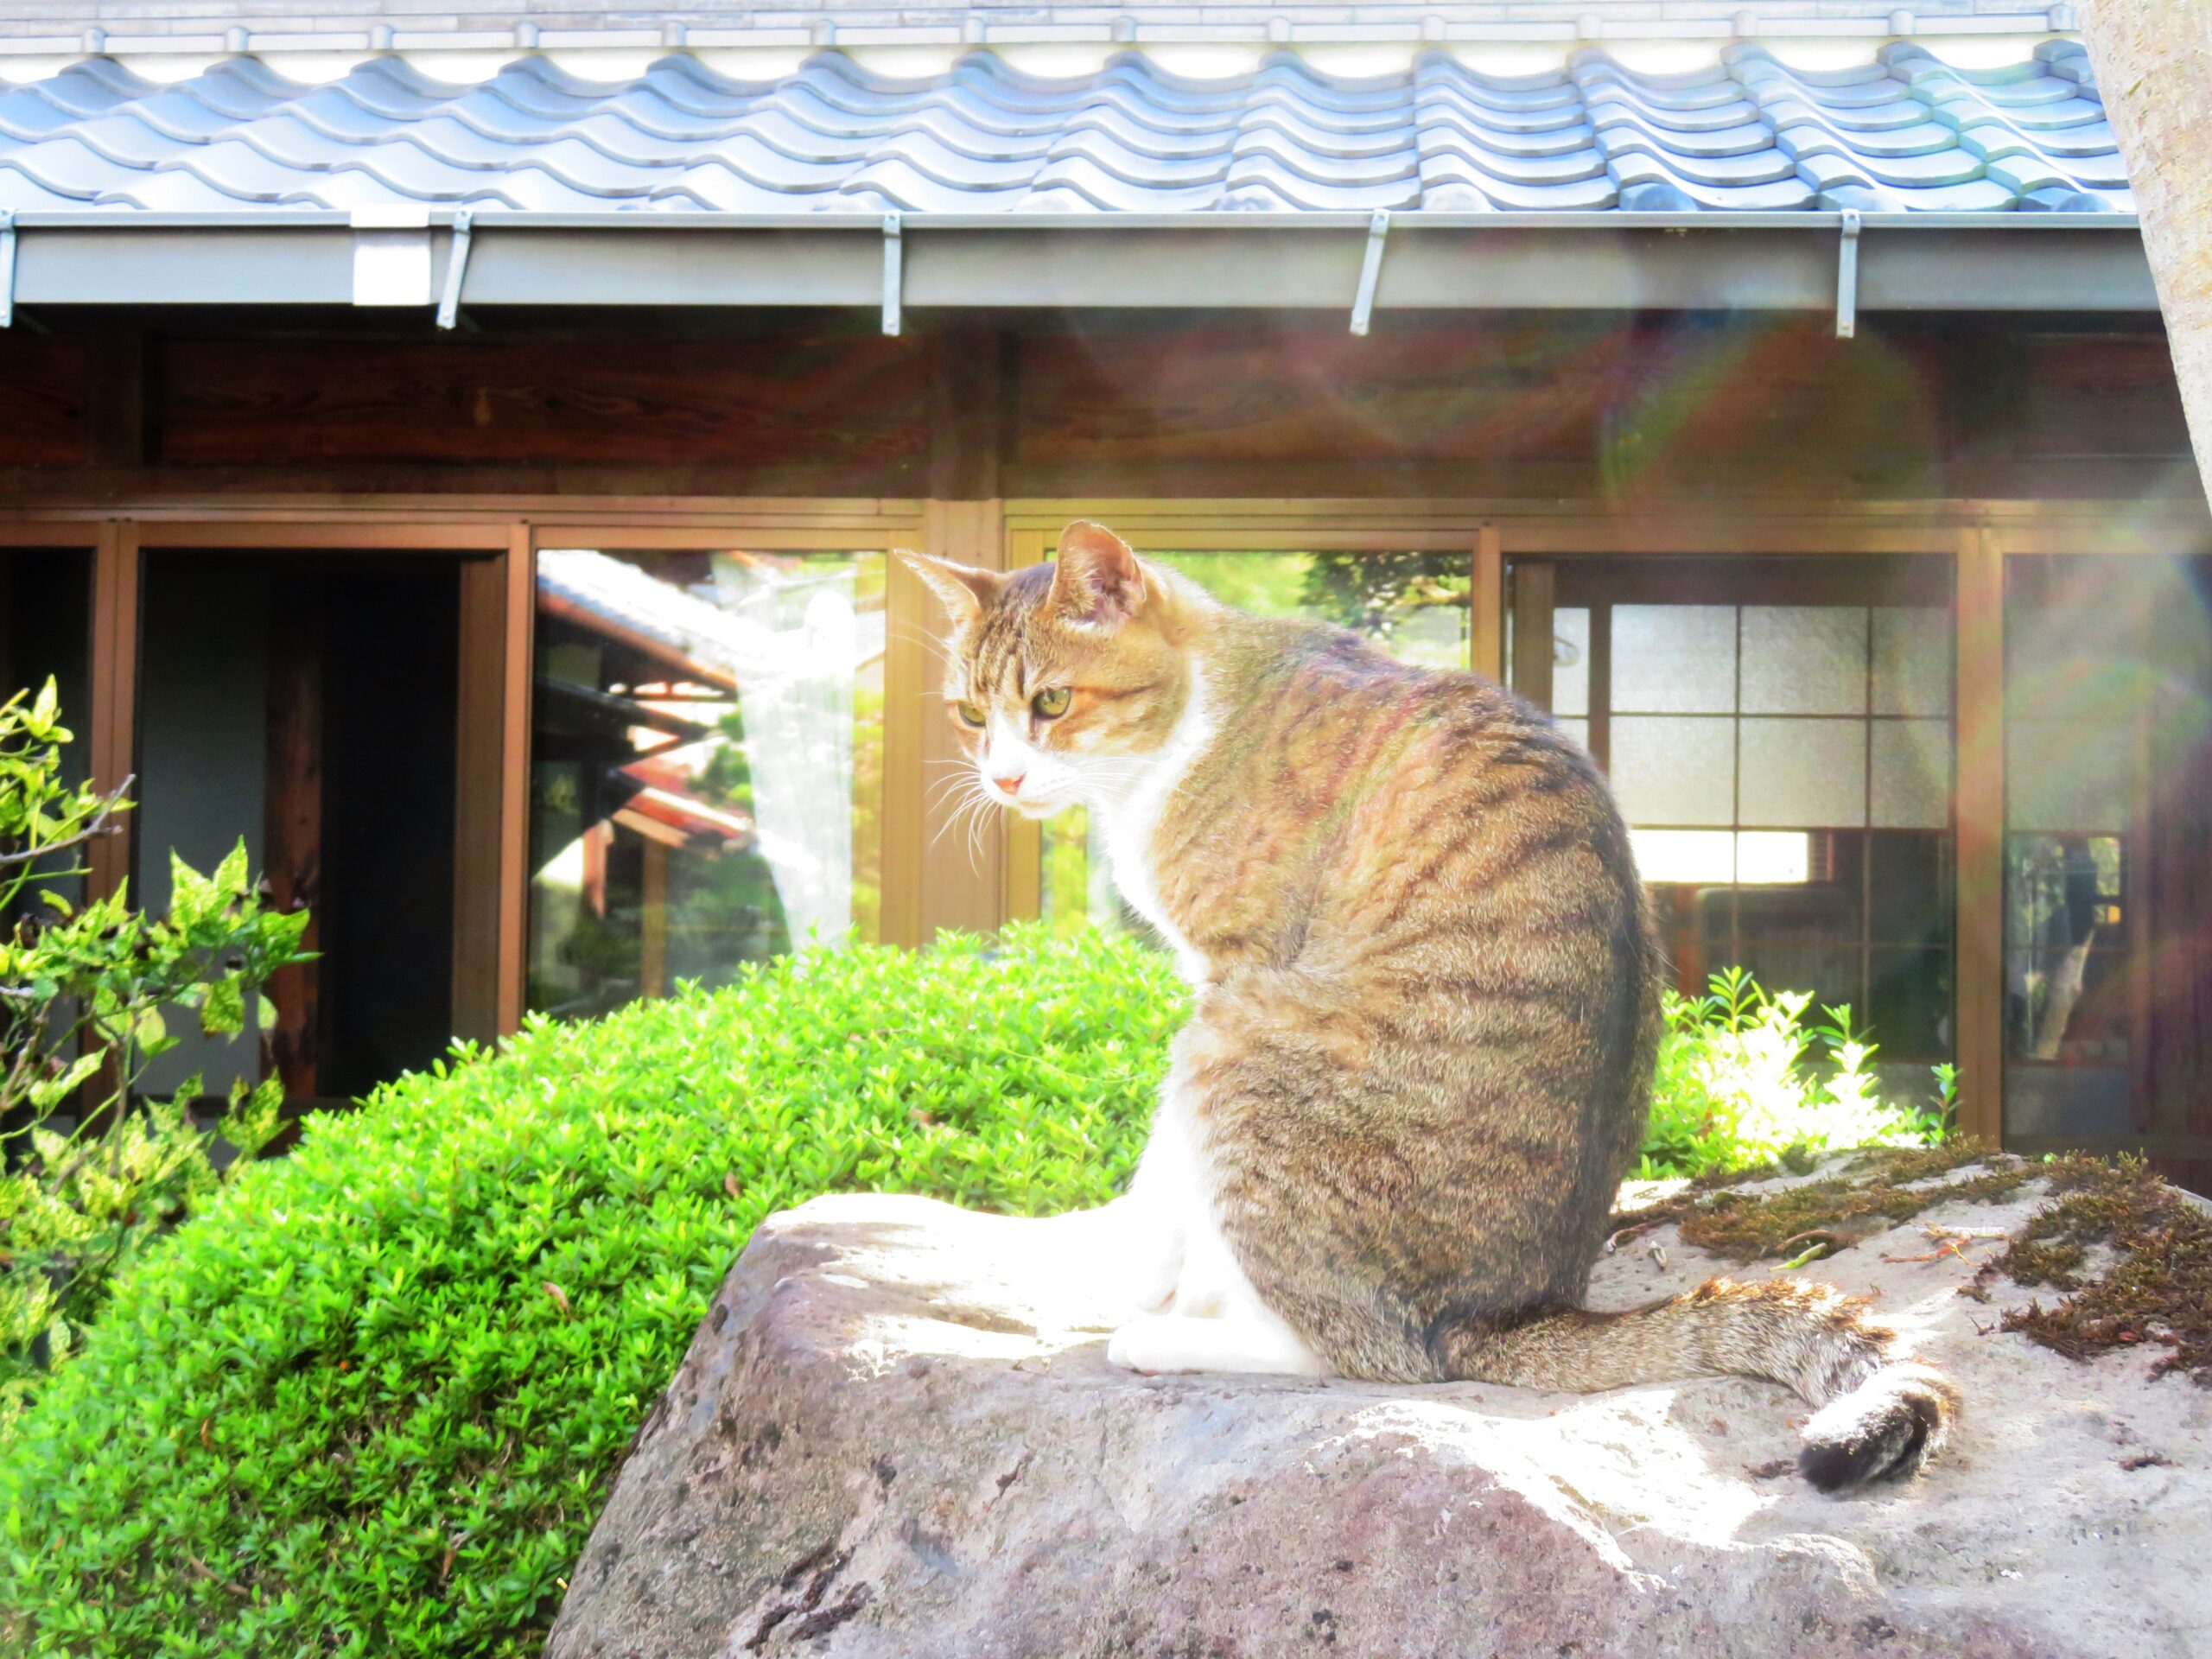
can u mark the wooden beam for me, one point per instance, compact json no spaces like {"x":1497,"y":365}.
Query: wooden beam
{"x":116,"y":405}
{"x":292,"y":821}
{"x":1486,"y":604}
{"x":117,"y":567}
{"x":968,"y":395}
{"x":1979,"y":1018}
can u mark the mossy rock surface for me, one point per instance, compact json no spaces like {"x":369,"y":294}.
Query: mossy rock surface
{"x":898,"y":1435}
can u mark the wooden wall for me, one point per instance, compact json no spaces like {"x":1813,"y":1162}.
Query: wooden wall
{"x":1593,"y":407}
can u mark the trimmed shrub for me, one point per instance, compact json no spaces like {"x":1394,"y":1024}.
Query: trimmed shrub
{"x":367,"y":1401}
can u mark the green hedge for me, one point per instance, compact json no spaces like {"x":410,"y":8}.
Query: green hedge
{"x":367,"y":1402}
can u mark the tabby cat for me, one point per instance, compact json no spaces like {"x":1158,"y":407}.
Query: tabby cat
{"x":1427,"y":1007}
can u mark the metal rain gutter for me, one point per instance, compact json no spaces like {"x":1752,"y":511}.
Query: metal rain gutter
{"x":1847,"y":263}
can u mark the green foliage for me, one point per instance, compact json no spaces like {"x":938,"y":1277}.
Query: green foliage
{"x":367,"y":1400}
{"x":1743,"y":1080}
{"x":87,"y":1185}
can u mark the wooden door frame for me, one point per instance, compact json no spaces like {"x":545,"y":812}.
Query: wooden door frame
{"x":2123,"y":533}
{"x":483,"y":961}
{"x":927,"y":886}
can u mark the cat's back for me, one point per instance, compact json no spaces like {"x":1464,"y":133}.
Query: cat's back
{"x":1453,"y":795}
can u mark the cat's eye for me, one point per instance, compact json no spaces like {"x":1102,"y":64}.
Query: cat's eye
{"x":1051,"y":703}
{"x":971,"y":713}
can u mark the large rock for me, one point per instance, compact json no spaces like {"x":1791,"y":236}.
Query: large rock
{"x":897,"y":1434}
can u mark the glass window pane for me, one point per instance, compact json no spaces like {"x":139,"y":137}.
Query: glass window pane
{"x":2070,"y":1100}
{"x":706,"y":768}
{"x":1668,"y":770}
{"x":1765,"y":857}
{"x":1415,"y":605}
{"x":1909,"y":898}
{"x":1804,"y":964}
{"x":1810,"y":772}
{"x":1571,"y":660}
{"x":1908,"y":1003}
{"x":1912,"y":660}
{"x":2069,"y":1007}
{"x":1684,"y":857}
{"x":1674,"y":659}
{"x":1912,"y":774}
{"x":1804,"y":659}
{"x":1576,"y":729}
{"x":2067,"y":774}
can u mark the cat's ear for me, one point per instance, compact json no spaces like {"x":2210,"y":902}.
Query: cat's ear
{"x":1098,"y":582}
{"x":963,"y":589}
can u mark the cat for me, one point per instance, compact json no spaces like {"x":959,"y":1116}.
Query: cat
{"x":1426,"y":1007}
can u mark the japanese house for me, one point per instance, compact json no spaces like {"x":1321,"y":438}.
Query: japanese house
{"x":463,"y":461}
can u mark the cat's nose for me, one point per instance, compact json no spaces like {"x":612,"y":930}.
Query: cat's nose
{"x":1011,"y":784}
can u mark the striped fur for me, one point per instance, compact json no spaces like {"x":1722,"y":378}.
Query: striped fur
{"x":1421,"y":1057}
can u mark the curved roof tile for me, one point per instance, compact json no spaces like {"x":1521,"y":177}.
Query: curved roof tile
{"x":1903,"y":130}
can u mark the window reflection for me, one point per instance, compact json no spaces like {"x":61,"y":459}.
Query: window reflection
{"x":2108,"y":844}
{"x":1779,"y":734}
{"x":707,"y":766}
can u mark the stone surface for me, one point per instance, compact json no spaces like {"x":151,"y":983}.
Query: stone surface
{"x":897,"y":1433}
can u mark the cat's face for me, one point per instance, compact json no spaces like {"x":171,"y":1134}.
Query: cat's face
{"x":1064,"y":680}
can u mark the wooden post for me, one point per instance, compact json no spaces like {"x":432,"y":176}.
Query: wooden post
{"x":1025,"y":839}
{"x":292,"y":821}
{"x":480,"y":722}
{"x":911,"y":622}
{"x":653,"y":921}
{"x":1486,"y":604}
{"x":519,"y":640}
{"x":1533,"y":586}
{"x":117,"y":566}
{"x":935,"y":875}
{"x":1979,"y":1017}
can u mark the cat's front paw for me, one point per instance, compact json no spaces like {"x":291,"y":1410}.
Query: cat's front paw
{"x":1147,"y":1344}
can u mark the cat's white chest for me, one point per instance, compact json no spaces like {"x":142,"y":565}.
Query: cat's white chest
{"x":1131,"y":823}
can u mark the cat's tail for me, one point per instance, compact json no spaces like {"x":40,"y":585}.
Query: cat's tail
{"x":1877,"y":1417}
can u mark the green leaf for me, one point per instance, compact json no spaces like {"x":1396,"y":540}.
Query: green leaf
{"x":52,"y":1091}
{"x":222,"y":1008}
{"x":230,"y":877}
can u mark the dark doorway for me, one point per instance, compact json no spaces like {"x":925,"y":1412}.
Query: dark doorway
{"x":307,"y":703}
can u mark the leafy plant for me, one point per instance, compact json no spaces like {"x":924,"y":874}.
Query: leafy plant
{"x":1743,"y":1079}
{"x":367,"y":1399}
{"x":91,"y":1175}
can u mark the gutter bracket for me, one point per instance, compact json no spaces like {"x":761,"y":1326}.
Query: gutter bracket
{"x":6,"y":267}
{"x":1847,"y":276}
{"x":1370,"y":271}
{"x":893,"y":273}
{"x":464,"y":231}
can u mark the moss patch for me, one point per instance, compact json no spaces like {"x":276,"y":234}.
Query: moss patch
{"x":1827,"y":1216}
{"x":2158,"y":1289}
